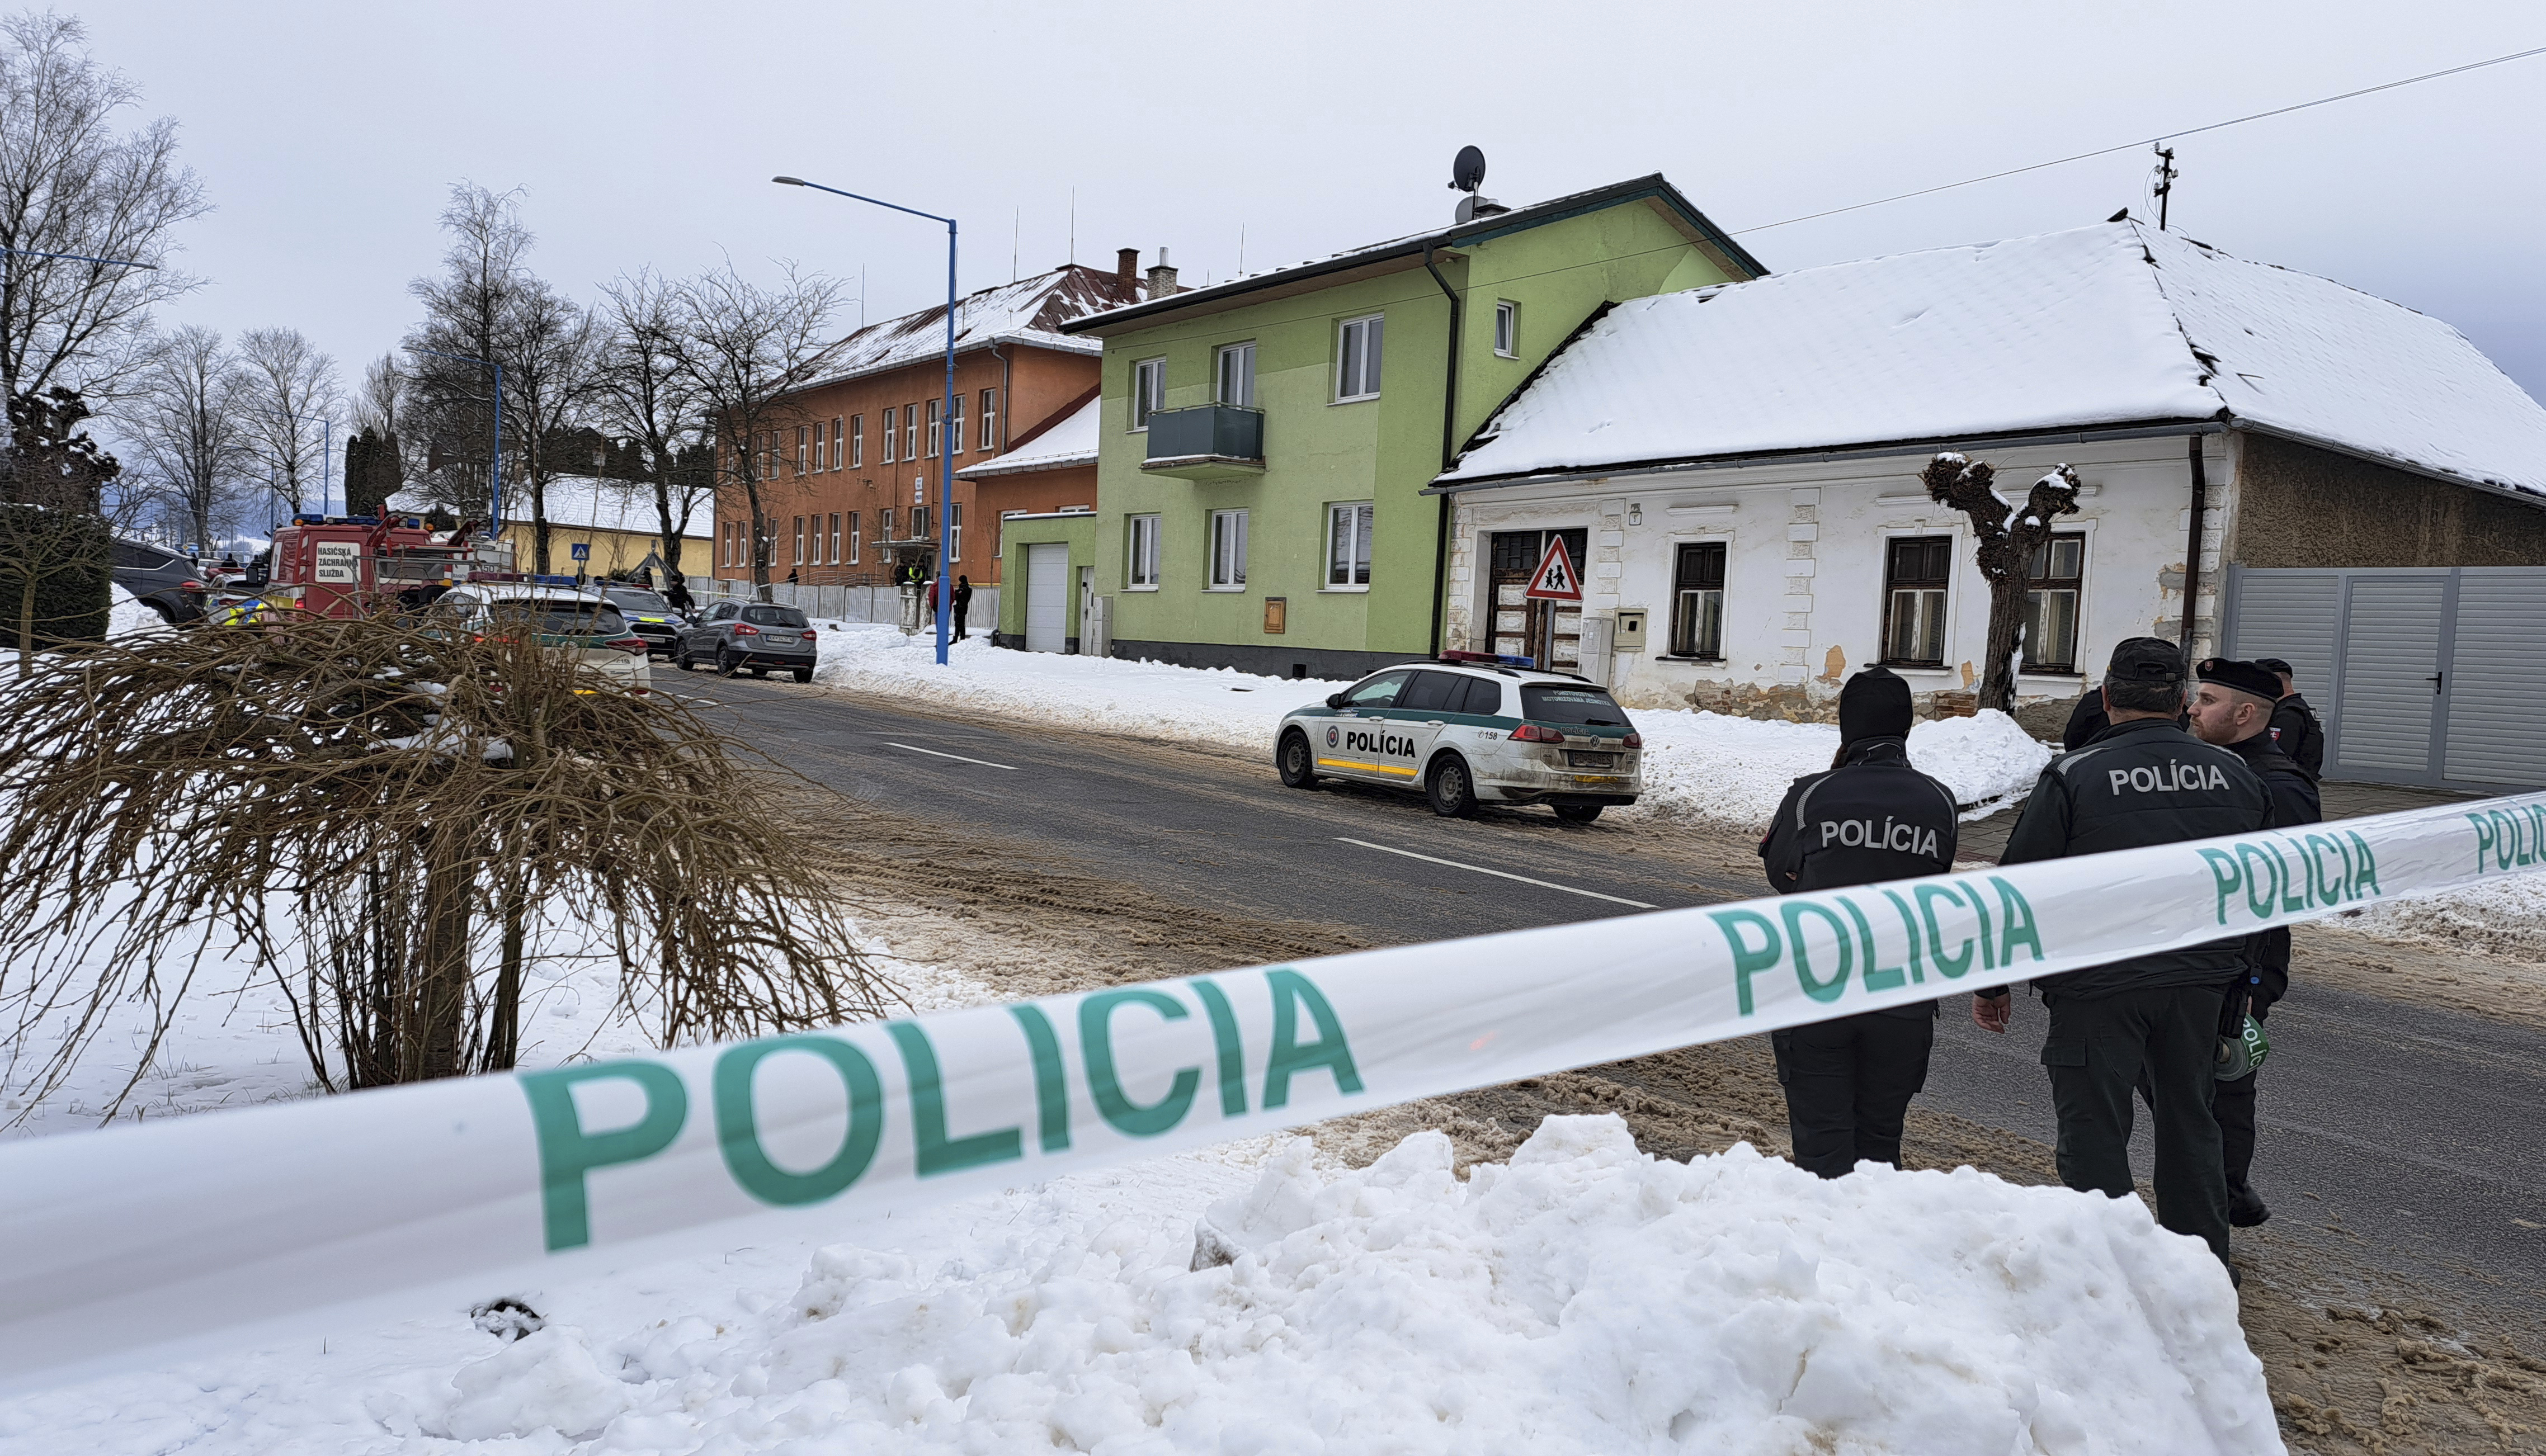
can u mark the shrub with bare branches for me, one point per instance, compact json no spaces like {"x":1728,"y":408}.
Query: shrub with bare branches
{"x":394,"y":819}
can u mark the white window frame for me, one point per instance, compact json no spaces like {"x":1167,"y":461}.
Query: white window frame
{"x":835,"y":538}
{"x":1364,"y":512}
{"x":1244,"y":350}
{"x":910,"y":432}
{"x":990,"y":420}
{"x":936,"y":427}
{"x":857,"y":442}
{"x":1227,"y":540}
{"x":800,"y":543}
{"x":1506,"y":328}
{"x":1140,"y":553}
{"x":1361,"y":357}
{"x":955,"y":423}
{"x":821,"y":448}
{"x":856,"y":546}
{"x":839,"y":441}
{"x":953,"y":530}
{"x":1148,"y":391}
{"x":892,"y":417}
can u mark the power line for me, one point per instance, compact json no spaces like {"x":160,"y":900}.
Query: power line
{"x":2107,"y":151}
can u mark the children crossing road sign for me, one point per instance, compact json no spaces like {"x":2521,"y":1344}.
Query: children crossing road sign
{"x":1554,"y":580}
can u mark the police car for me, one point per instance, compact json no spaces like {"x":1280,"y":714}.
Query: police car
{"x":1465,"y":731}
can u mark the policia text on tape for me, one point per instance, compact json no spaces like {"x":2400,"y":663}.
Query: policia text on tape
{"x":135,"y":1244}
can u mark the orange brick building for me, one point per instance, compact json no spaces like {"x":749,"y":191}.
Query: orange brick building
{"x":856,"y":492}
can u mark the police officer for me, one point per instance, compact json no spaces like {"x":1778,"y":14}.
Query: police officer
{"x":2235,"y":708}
{"x":1848,"y":1081}
{"x":2294,"y":728}
{"x":2140,"y":781}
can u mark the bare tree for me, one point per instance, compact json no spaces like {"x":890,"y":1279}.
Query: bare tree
{"x":547,"y":347}
{"x":71,"y":184}
{"x":188,"y":428}
{"x":292,"y":387}
{"x":2008,"y":537}
{"x":644,"y":396}
{"x":450,"y":388}
{"x":747,"y":350}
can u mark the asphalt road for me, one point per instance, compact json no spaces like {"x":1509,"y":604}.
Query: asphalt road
{"x":2403,"y":1136}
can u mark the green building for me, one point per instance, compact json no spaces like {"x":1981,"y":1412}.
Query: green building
{"x":1264,"y":442}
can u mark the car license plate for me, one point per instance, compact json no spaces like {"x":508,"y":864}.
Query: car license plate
{"x":782,"y":639}
{"x":1590,"y":761}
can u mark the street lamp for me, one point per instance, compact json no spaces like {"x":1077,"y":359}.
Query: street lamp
{"x":494,"y":460}
{"x":945,"y":413}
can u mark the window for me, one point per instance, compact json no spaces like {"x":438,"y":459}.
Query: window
{"x":856,"y":543}
{"x":1348,"y":547}
{"x":990,"y":420}
{"x":1377,"y":692}
{"x":1228,"y":551}
{"x":800,"y":539}
{"x":1142,"y":571}
{"x":1236,"y":375}
{"x":857,"y":442}
{"x":955,"y":529}
{"x":884,"y":524}
{"x":1551,"y":703}
{"x":727,"y":543}
{"x":1507,"y":329}
{"x":2052,"y":584}
{"x":910,"y":432}
{"x":1149,"y":390}
{"x":934,"y":429}
{"x":803,"y":461}
{"x":835,"y":538}
{"x":955,"y":425}
{"x":839,"y":440}
{"x":888,"y":418}
{"x":1357,"y":363}
{"x":1439,"y":693}
{"x":1915,"y":570}
{"x":919,"y":522}
{"x":1697,"y":600}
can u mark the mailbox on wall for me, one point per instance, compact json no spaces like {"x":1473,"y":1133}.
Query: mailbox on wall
{"x":1631,"y":633}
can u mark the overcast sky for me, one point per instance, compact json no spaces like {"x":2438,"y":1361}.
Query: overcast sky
{"x":645,"y":132}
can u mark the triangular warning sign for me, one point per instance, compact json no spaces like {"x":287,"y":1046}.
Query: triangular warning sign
{"x":1555,"y":580}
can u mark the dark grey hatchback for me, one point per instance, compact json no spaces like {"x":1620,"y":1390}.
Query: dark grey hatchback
{"x":736,"y":635}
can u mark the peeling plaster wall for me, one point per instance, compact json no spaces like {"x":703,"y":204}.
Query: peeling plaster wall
{"x":2310,"y":507}
{"x":1804,"y":567}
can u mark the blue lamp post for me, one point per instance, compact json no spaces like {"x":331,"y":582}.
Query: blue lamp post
{"x":494,"y":460}
{"x":946,"y":412}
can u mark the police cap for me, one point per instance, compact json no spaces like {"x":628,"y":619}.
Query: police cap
{"x":2244,"y":677}
{"x":2275,"y":665}
{"x":2145,"y":660}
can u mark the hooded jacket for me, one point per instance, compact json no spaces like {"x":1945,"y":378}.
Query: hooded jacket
{"x":1871,"y":818}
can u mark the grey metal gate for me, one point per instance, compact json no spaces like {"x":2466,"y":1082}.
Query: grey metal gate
{"x":2423,"y":674}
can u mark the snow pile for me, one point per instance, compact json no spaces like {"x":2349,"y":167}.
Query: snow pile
{"x":125,"y":615}
{"x":1586,"y":1297}
{"x":1696,"y":764}
{"x":2505,"y":916}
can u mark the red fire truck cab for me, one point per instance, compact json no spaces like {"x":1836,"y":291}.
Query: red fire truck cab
{"x":350,"y":565}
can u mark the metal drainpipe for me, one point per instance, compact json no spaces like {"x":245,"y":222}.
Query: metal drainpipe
{"x":2192,"y":543}
{"x":1449,"y":434}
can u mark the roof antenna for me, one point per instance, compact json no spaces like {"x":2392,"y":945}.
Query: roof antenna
{"x":1073,"y":226}
{"x":1241,"y":250}
{"x":2165,"y":182}
{"x":1467,"y":174}
{"x":1016,"y":230}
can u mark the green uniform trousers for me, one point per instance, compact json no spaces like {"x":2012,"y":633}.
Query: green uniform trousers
{"x":2097,"y":1051}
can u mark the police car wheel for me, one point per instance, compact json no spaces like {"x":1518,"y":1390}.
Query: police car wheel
{"x":1296,"y":761}
{"x":1450,"y":788}
{"x":1577,"y":813}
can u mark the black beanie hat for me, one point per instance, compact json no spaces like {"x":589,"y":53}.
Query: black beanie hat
{"x":1875,"y":703}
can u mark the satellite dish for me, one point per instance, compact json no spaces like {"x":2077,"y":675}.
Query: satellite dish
{"x":1468,"y":172}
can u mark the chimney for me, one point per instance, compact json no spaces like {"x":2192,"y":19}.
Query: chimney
{"x":1163,"y":278}
{"x":1127,"y":269}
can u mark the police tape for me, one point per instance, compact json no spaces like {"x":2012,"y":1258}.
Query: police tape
{"x":145,"y":1242}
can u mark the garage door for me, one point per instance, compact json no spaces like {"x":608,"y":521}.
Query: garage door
{"x":1048,"y":597}
{"x":2496,"y":733}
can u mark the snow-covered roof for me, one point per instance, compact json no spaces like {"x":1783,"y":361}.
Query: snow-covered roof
{"x":2115,"y":325}
{"x":1071,"y":442}
{"x":1027,"y":311}
{"x":585,"y":503}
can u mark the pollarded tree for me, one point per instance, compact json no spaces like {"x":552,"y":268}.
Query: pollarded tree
{"x":2008,"y":537}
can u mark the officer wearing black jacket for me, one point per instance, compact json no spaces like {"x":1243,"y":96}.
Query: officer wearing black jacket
{"x":2141,"y":781}
{"x":2235,"y":709}
{"x":2295,"y":730}
{"x":1871,"y":817}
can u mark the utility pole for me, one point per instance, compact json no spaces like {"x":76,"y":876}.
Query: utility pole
{"x":2165,"y":182}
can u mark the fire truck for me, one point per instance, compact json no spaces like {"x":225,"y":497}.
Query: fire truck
{"x":351,"y":565}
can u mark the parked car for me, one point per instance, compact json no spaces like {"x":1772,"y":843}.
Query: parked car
{"x":1463,"y":733}
{"x":649,"y":616}
{"x":734,"y":636}
{"x":563,"y":617}
{"x":160,"y":580}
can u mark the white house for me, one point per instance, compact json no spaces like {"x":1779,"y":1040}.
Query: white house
{"x":1736,"y":467}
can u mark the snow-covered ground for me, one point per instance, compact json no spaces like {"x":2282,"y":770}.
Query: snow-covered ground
{"x":1696,"y":765}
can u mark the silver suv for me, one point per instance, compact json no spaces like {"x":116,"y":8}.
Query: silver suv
{"x":734,"y":636}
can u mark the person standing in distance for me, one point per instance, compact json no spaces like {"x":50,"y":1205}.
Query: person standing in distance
{"x":962,"y":600}
{"x":2294,"y":728}
{"x":2141,"y":781}
{"x":2235,"y":708}
{"x":1871,"y":817}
